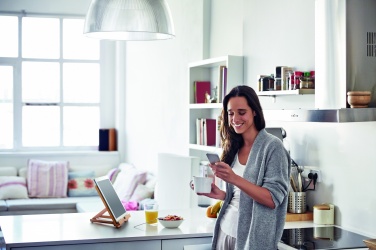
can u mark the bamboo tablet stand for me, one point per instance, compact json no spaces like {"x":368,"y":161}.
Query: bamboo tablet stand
{"x":109,"y":219}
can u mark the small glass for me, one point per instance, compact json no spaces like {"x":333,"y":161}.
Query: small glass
{"x":151,"y":213}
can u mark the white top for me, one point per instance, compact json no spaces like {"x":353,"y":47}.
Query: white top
{"x":229,"y":222}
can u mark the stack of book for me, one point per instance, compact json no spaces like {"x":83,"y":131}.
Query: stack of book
{"x":207,"y":132}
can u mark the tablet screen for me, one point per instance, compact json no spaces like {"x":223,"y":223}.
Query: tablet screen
{"x":111,"y":198}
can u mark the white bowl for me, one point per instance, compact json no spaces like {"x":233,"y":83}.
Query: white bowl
{"x":170,"y":223}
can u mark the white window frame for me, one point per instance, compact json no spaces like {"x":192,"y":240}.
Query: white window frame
{"x":107,"y":92}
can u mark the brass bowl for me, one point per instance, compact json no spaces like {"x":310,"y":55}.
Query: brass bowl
{"x":358,"y":99}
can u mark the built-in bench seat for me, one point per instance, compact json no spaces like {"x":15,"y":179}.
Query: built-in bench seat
{"x":3,"y":206}
{"x":44,"y":205}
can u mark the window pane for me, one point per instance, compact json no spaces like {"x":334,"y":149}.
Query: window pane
{"x":6,"y":83}
{"x":75,"y":44}
{"x":9,"y":36}
{"x":81,"y":82}
{"x":40,"y":82}
{"x":6,"y":126}
{"x":40,"y":37}
{"x":40,"y":126}
{"x":6,"y":107}
{"x":81,"y":126}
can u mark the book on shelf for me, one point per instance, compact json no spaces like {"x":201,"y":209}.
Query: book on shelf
{"x":201,"y":90}
{"x":218,"y":143}
{"x":198,"y":131}
{"x":206,"y":131}
{"x":224,"y":82}
{"x":220,"y":83}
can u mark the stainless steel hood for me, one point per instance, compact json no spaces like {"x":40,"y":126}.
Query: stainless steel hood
{"x":322,"y":115}
{"x":345,"y":60}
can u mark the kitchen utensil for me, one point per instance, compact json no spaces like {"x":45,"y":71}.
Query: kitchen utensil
{"x":300,"y":170}
{"x":294,"y":175}
{"x":293,"y":185}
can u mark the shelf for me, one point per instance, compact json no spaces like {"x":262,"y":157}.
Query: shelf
{"x":203,"y":147}
{"x":287,"y":92}
{"x":205,"y":106}
{"x":210,"y":70}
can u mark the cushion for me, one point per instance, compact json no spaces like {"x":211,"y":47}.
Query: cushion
{"x":13,"y":187}
{"x":142,"y":192}
{"x":80,"y":183}
{"x":23,"y":172}
{"x":8,"y":171}
{"x":112,"y":174}
{"x":47,"y":178}
{"x":127,"y":180}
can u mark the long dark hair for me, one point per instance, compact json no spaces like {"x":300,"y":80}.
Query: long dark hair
{"x":231,"y":141}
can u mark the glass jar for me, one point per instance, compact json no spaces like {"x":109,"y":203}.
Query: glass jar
{"x":306,"y":81}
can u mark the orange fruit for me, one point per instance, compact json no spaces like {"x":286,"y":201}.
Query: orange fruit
{"x":209,"y":214}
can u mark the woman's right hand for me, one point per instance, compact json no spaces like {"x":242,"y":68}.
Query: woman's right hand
{"x":215,"y":193}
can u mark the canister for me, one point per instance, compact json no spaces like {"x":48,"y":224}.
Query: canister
{"x":323,"y":214}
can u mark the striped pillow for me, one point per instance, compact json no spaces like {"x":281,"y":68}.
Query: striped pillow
{"x":13,"y":187}
{"x":47,"y":178}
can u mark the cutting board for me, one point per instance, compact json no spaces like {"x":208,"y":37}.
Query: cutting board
{"x":307,"y":216}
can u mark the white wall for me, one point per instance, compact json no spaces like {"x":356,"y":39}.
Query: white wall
{"x":273,"y":33}
{"x":156,"y":101}
{"x":343,"y":152}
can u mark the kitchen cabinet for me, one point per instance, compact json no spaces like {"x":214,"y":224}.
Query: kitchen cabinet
{"x":209,"y":70}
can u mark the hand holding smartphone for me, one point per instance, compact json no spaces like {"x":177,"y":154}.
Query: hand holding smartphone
{"x":213,"y":158}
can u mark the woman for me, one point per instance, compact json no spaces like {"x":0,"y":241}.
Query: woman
{"x":255,"y":166}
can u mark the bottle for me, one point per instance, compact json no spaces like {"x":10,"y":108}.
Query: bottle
{"x":297,"y":76}
{"x":291,"y":81}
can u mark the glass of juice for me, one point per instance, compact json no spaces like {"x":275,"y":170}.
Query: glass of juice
{"x":151,"y":213}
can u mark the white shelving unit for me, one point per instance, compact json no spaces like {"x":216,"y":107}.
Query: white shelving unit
{"x":208,"y":70}
{"x":287,"y":92}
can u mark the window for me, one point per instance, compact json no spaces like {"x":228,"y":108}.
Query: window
{"x":49,"y":84}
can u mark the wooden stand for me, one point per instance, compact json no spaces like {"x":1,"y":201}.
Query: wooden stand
{"x":107,"y":219}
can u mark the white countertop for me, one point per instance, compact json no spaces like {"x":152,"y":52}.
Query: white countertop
{"x":76,"y":227}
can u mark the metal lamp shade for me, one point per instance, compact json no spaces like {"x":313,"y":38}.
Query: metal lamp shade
{"x":129,"y":20}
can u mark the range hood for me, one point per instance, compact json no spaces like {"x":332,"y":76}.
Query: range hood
{"x":345,"y":60}
{"x":322,"y":115}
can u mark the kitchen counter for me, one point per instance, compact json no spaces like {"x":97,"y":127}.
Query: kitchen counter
{"x":75,"y":231}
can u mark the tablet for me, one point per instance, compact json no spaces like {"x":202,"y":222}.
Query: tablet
{"x":110,"y":198}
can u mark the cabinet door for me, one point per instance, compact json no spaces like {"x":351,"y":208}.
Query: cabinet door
{"x":178,"y":244}
{"x":131,"y":245}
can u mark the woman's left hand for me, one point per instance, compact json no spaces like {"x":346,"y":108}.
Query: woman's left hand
{"x":223,"y":171}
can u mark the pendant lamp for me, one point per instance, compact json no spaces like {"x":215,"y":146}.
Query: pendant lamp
{"x":133,"y":20}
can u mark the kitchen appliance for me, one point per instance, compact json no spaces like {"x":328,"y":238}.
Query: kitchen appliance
{"x":344,"y":61}
{"x":327,"y":237}
{"x":323,"y":214}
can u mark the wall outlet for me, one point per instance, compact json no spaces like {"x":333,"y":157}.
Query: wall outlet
{"x":313,"y":170}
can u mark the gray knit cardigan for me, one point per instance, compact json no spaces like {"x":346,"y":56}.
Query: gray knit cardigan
{"x":260,"y":227}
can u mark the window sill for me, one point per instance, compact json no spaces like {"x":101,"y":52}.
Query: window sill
{"x":59,"y":153}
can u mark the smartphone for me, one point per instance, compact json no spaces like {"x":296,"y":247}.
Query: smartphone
{"x":213,"y":158}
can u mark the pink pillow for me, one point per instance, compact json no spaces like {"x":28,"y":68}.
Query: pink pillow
{"x":127,"y":180}
{"x":47,"y":178}
{"x":13,"y":187}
